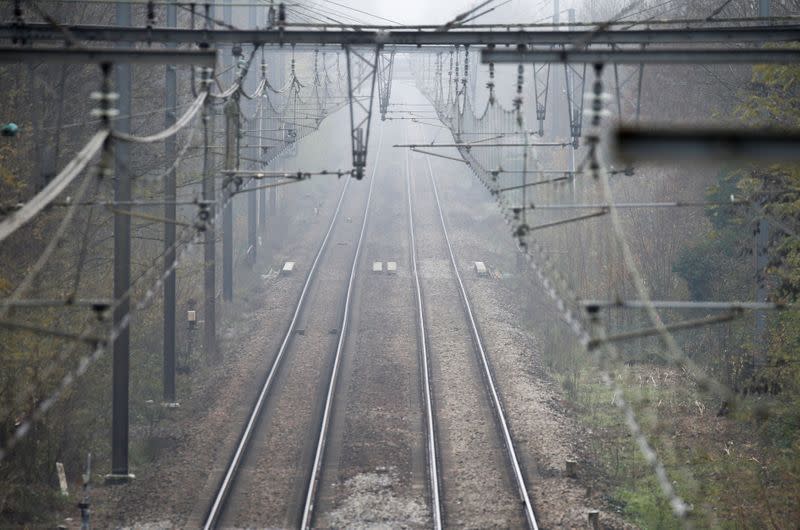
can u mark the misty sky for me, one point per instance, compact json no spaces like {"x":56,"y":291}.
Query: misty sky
{"x":440,"y":11}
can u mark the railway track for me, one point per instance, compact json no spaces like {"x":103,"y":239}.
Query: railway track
{"x":425,"y":369}
{"x":467,"y":442}
{"x":307,"y":367}
{"x":364,"y":446}
{"x":322,"y":435}
{"x":439,"y":502}
{"x":374,"y":470}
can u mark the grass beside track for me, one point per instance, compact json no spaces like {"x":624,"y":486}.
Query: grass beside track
{"x":732,"y":468}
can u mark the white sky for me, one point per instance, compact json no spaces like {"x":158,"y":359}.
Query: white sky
{"x":440,"y":11}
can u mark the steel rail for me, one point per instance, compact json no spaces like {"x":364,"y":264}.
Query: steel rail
{"x":511,"y":452}
{"x":433,"y":467}
{"x":224,"y":489}
{"x":313,"y":481}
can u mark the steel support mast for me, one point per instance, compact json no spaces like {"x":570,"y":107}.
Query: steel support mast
{"x":122,"y":269}
{"x":170,"y":214}
{"x":231,"y":140}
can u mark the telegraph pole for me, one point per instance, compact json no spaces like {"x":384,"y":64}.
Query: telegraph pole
{"x":252,"y":198}
{"x":210,"y":256}
{"x":227,"y":56}
{"x":122,"y":267}
{"x":279,"y":74}
{"x":230,"y":147}
{"x":209,"y":198}
{"x":571,"y":88}
{"x":252,"y":216}
{"x":170,"y":214}
{"x":262,"y":193}
{"x":231,"y":133}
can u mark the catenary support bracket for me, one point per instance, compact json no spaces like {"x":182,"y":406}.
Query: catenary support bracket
{"x":362,"y":67}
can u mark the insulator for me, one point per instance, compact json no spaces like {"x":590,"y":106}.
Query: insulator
{"x":151,"y":14}
{"x":602,"y":111}
{"x":605,"y":97}
{"x":104,"y":113}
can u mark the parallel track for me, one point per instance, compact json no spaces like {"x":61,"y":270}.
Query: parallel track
{"x":316,"y":470}
{"x":425,"y":369}
{"x":491,"y":387}
{"x":221,"y":496}
{"x":427,"y":383}
{"x":222,"y":493}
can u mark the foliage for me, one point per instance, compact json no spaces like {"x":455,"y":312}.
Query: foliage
{"x":771,"y":385}
{"x":711,"y":264}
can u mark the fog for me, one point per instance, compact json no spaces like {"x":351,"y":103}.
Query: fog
{"x":479,"y":317}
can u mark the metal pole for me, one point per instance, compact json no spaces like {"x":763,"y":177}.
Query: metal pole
{"x":280,"y":77}
{"x":40,"y":178}
{"x":210,"y":258}
{"x":252,"y":225}
{"x":273,"y":202}
{"x":122,"y":267}
{"x":571,"y":87}
{"x":763,"y":8}
{"x":231,"y":120}
{"x":170,"y":212}
{"x":209,"y":198}
{"x":84,"y":505}
{"x":262,"y":195}
{"x":227,"y":51}
{"x":252,"y":198}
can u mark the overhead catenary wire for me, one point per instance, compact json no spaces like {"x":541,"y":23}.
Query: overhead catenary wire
{"x":56,"y":186}
{"x":363,"y":12}
{"x":180,"y":250}
{"x":59,"y":233}
{"x":190,"y":113}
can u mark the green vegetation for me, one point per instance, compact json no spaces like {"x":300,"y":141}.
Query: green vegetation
{"x":737,"y":468}
{"x":728,"y":469}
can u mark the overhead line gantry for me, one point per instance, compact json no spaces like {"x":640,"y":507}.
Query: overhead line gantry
{"x":573,"y":45}
{"x":406,"y":37}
